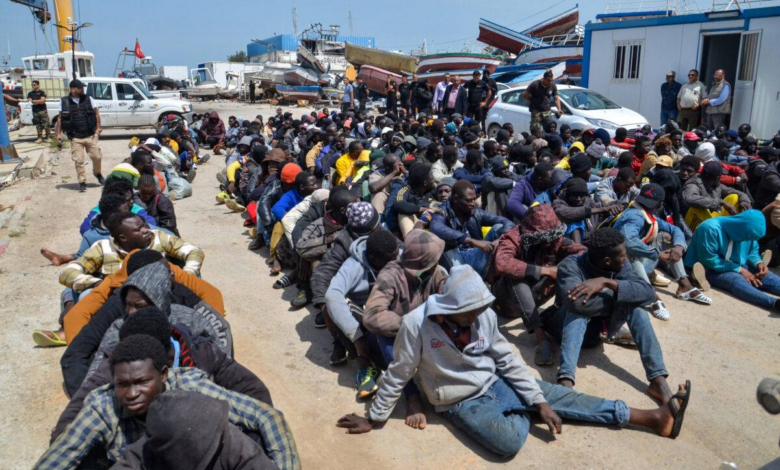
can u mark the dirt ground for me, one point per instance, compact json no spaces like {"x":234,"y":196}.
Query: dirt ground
{"x":724,"y":349}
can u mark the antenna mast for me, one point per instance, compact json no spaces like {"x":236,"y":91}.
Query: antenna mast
{"x":295,"y":19}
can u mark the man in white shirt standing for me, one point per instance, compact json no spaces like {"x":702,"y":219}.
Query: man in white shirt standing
{"x":438,"y":95}
{"x":689,"y":101}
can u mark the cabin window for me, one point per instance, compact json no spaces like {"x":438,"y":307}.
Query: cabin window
{"x":627,"y":64}
{"x":40,"y":64}
{"x":99,"y":91}
{"x":61,"y":65}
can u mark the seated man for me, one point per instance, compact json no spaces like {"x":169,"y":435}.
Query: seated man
{"x":706,"y":198}
{"x":113,"y":415}
{"x":347,"y":296}
{"x":621,"y":188}
{"x":400,"y":287}
{"x":381,"y":180}
{"x":128,"y":232}
{"x":527,"y":189}
{"x":602,"y":283}
{"x":141,"y":163}
{"x":460,"y":224}
{"x":305,"y":185}
{"x":470,"y":373}
{"x":497,"y":185}
{"x":724,"y":253}
{"x":178,"y":439}
{"x":182,"y":350}
{"x":647,"y":244}
{"x":415,"y":198}
{"x":576,"y":209}
{"x":348,"y":164}
{"x":523,"y":271}
{"x":473,"y":170}
{"x":149,"y":283}
{"x":157,"y":204}
{"x":447,"y":164}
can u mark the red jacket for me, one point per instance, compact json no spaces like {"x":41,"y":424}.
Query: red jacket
{"x":636,"y":164}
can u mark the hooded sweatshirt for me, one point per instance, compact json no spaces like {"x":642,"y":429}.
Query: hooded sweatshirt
{"x":538,"y":241}
{"x":726,"y":244}
{"x":155,"y":282}
{"x":403,"y":285}
{"x":213,"y":126}
{"x":179,"y":439}
{"x":521,"y":197}
{"x":354,"y":281}
{"x":447,"y":374}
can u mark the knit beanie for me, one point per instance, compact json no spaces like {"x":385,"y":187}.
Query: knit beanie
{"x":576,"y":186}
{"x":596,"y":149}
{"x":376,"y":155}
{"x":579,"y":163}
{"x":603,"y":135}
{"x":289,"y":172}
{"x":711,"y":168}
{"x":363,"y":218}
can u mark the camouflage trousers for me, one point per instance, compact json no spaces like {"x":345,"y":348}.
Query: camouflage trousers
{"x":537,"y":117}
{"x":41,"y":121}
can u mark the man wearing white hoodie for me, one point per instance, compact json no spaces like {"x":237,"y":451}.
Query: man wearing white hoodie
{"x":470,"y":373}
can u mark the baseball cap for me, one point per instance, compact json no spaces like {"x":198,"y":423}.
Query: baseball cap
{"x":498,"y":163}
{"x":665,"y":161}
{"x":76,"y":83}
{"x":691,"y":136}
{"x":650,"y":196}
{"x":446,"y":181}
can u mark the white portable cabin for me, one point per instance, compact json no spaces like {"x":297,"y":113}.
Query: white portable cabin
{"x":628,"y":60}
{"x":220,"y":70}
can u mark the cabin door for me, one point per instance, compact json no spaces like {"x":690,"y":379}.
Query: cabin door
{"x":745,"y":81}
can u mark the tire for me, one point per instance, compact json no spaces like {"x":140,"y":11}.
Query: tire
{"x":493,"y":130}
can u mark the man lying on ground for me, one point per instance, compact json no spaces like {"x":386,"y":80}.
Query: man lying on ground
{"x":470,"y":373}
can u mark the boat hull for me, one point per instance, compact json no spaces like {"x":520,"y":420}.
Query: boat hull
{"x":300,"y":77}
{"x":376,"y":78}
{"x":560,"y":24}
{"x":435,"y":77}
{"x":457,"y":61}
{"x":549,"y":54}
{"x":307,"y":58}
{"x":506,"y":39}
{"x":309,"y":93}
{"x":396,"y":63}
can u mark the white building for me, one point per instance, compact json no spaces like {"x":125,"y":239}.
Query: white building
{"x":627,"y":60}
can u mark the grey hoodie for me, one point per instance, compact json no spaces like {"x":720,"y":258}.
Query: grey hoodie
{"x":353,"y":281}
{"x":155,"y":282}
{"x":447,"y":375}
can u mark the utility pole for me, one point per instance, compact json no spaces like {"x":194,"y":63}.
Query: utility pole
{"x":295,"y":19}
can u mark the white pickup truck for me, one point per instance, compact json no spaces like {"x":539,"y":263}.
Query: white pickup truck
{"x":122,"y":102}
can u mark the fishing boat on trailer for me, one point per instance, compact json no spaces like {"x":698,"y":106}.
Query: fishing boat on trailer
{"x":396,"y":63}
{"x":376,"y":78}
{"x":457,"y":61}
{"x":294,"y":93}
{"x":308,"y":59}
{"x":299,"y":76}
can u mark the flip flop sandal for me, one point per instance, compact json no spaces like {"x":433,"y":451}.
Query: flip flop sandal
{"x":623,"y":337}
{"x":50,"y":340}
{"x":283,"y":282}
{"x":700,"y":276}
{"x":700,"y":298}
{"x":678,"y":410}
{"x":659,"y":311}
{"x":544,"y":354}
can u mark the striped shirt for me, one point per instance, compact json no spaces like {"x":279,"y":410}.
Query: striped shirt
{"x":103,"y":422}
{"x":104,"y":258}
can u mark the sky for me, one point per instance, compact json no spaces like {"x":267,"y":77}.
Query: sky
{"x":199,"y":31}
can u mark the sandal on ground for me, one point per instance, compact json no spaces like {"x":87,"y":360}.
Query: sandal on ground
{"x":699,"y":298}
{"x":544,"y":354}
{"x":283,"y":282}
{"x":234,"y":206}
{"x":659,"y":280}
{"x":678,"y":410}
{"x":623,"y":337}
{"x":48,"y":339}
{"x":659,"y":311}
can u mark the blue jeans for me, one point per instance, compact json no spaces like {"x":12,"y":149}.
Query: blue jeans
{"x":667,"y":114}
{"x":574,"y":327}
{"x":474,"y":257}
{"x":500,"y":419}
{"x":740,"y":288}
{"x":386,"y":349}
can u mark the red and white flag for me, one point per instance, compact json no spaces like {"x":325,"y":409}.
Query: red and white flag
{"x":138,"y":52}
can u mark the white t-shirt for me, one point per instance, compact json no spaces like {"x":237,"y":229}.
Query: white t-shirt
{"x":78,"y":100}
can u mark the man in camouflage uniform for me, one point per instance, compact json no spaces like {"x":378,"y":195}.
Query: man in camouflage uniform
{"x":538,"y":95}
{"x":40,"y":115}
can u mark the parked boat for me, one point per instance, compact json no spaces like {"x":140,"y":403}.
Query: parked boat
{"x":299,"y":76}
{"x":506,"y":39}
{"x":203,"y":84}
{"x":294,"y":93}
{"x":333,"y":94}
{"x":438,"y":76}
{"x":231,"y":91}
{"x":457,"y":61}
{"x":376,"y":78}
{"x":549,"y":54}
{"x":308,"y":59}
{"x":557,"y":25}
{"x":397,"y":63}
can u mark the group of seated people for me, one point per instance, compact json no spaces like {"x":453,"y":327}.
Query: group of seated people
{"x":410,"y":237}
{"x":371,"y":216}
